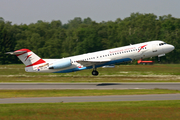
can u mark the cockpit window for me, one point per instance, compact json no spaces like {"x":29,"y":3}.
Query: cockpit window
{"x":160,"y":44}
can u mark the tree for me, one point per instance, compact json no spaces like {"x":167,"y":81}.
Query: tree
{"x":55,"y":40}
{"x":7,"y":42}
{"x":74,"y":23}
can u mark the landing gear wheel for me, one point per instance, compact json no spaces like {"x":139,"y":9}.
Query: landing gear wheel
{"x":95,"y":73}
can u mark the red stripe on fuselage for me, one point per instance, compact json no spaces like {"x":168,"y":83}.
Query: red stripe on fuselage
{"x":40,"y":61}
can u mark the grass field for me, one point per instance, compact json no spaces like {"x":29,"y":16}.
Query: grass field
{"x":60,"y":93}
{"x":138,"y":110}
{"x":121,"y":73}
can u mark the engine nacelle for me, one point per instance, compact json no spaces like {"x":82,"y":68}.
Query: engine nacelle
{"x":61,"y":64}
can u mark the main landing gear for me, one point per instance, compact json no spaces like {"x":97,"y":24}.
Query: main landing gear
{"x":94,"y":72}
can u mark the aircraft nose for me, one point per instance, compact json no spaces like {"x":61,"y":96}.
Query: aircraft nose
{"x":169,"y":48}
{"x":172,"y":47}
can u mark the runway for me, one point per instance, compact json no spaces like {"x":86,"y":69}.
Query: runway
{"x":59,"y":86}
{"x":92,"y":98}
{"x":29,"y":86}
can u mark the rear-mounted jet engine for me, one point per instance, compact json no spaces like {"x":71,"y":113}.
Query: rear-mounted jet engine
{"x":61,"y":64}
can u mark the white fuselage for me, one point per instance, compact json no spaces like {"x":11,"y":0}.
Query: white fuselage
{"x":107,"y":57}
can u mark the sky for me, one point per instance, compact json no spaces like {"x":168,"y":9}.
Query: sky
{"x":30,"y":11}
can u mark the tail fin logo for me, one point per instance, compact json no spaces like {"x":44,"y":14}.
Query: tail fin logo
{"x":28,"y":57}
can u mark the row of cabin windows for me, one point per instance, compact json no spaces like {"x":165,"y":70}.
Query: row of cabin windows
{"x":112,"y":54}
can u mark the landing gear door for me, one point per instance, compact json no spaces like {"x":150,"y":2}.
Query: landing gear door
{"x":154,"y":47}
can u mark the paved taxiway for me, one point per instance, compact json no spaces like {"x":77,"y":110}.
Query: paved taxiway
{"x":21,"y":86}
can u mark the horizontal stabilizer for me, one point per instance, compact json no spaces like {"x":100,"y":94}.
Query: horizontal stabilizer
{"x":16,"y":53}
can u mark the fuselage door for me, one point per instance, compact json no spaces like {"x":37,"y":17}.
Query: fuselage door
{"x":154,"y":47}
{"x":139,"y":54}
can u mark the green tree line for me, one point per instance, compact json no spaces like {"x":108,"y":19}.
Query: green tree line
{"x":56,"y":40}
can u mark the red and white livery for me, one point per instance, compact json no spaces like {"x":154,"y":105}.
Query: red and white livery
{"x":93,"y":60}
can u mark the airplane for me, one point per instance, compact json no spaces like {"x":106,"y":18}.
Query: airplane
{"x":92,"y":60}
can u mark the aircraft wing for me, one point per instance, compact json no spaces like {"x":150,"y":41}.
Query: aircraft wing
{"x":93,"y":62}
